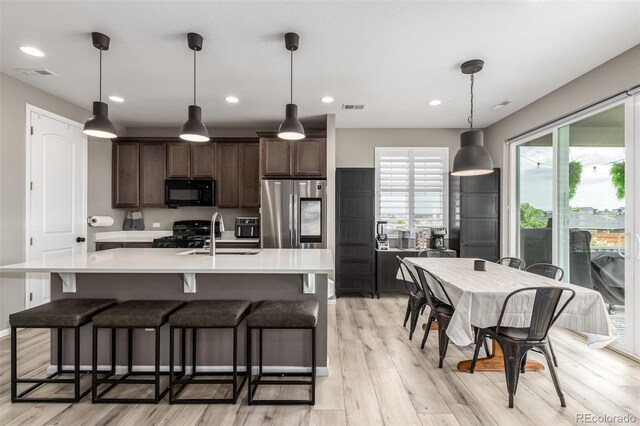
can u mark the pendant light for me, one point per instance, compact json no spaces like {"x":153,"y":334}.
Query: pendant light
{"x":291,"y":128}
{"x":193,"y":130}
{"x":98,"y":125}
{"x":472,"y":158}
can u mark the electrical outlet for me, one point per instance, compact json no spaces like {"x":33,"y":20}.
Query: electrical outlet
{"x":156,"y":224}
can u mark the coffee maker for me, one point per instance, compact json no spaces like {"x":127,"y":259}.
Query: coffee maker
{"x":437,"y":238}
{"x":382,"y":242}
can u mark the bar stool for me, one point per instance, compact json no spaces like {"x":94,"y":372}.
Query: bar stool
{"x":226,"y":314}
{"x":130,"y":315}
{"x":59,"y":314}
{"x":287,"y":314}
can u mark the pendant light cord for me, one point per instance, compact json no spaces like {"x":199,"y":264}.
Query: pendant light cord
{"x":194,"y":77}
{"x":470,"y":119}
{"x":291,"y":77}
{"x":100,"y":89}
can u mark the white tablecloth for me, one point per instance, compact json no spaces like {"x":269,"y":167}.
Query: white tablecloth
{"x":478,"y":298}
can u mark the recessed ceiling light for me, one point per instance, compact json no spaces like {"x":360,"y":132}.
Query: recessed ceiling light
{"x":116,"y":98}
{"x":326,"y":99}
{"x":435,"y":102}
{"x":232,"y":99}
{"x":32,"y":51}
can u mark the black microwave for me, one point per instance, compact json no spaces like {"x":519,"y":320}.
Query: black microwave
{"x":189,"y":192}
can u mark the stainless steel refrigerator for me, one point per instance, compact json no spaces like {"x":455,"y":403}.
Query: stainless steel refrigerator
{"x":293,"y":213}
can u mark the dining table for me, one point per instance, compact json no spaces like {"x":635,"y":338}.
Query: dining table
{"x":478,"y":298}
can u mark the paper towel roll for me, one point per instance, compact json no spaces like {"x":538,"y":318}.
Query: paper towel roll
{"x":100,"y":221}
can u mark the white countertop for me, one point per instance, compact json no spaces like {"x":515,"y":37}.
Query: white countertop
{"x":148,"y":260}
{"x":149,"y":236}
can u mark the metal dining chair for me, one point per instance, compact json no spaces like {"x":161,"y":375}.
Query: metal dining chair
{"x":550,"y":271}
{"x":439,"y":310}
{"x":433,"y":253}
{"x":546,"y":270}
{"x":512,"y":262}
{"x":517,"y":341}
{"x":417,"y":300}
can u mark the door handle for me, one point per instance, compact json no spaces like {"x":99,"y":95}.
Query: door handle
{"x":637,"y":251}
{"x":80,"y":240}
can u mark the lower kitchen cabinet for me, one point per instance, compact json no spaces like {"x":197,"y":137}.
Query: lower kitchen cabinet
{"x":109,"y":245}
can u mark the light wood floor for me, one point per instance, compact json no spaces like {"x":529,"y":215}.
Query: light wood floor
{"x":377,"y":376}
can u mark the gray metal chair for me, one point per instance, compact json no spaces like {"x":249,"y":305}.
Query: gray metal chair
{"x":550,"y":271}
{"x":417,"y":300}
{"x":517,"y":341}
{"x":512,"y":262}
{"x":546,"y":270}
{"x":433,"y":253}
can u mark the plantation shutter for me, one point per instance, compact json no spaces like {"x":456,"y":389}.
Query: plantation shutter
{"x":411,"y":187}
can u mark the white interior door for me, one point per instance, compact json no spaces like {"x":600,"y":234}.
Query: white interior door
{"x":57,"y":200}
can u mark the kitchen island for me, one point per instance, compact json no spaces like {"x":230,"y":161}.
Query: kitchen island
{"x":179,"y":274}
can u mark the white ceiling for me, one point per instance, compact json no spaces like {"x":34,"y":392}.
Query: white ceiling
{"x":391,"y":56}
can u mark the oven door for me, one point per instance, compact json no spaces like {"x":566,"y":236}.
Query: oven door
{"x":189,"y":192}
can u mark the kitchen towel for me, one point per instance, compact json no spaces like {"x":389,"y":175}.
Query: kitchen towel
{"x":133,"y":221}
{"x":100,"y":220}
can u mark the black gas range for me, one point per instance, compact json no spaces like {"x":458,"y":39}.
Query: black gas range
{"x":187,"y":234}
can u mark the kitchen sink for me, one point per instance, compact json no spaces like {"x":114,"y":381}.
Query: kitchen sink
{"x":236,"y":251}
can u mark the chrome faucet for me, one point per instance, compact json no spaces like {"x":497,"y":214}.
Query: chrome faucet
{"x":212,"y":243}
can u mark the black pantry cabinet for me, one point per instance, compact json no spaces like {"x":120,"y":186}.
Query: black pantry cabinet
{"x":355,"y":225}
{"x":474,"y":221}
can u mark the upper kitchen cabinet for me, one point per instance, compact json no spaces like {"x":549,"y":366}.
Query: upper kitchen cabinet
{"x":125,"y":185}
{"x":305,"y":158}
{"x":276,"y":157}
{"x":203,"y":160}
{"x":152,"y":174}
{"x":249,"y":191}
{"x":227,"y":181}
{"x":310,"y":158}
{"x":178,"y":160}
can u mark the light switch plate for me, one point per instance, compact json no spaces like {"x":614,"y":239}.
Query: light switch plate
{"x":156,"y":224}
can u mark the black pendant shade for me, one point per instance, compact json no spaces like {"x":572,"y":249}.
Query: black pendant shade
{"x":472,"y":158}
{"x":193,"y":130}
{"x":99,"y":125}
{"x":291,"y":128}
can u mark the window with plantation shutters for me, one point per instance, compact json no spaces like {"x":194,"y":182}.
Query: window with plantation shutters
{"x":411,"y":187}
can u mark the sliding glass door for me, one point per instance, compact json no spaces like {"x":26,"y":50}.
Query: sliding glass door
{"x":574,"y":207}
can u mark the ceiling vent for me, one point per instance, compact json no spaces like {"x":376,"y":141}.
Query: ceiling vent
{"x":352,"y":106}
{"x":36,"y":71}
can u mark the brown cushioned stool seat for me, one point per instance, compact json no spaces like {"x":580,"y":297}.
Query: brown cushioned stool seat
{"x":281,"y":314}
{"x":221,"y":314}
{"x":284,"y":314}
{"x":137,"y":314}
{"x":210,"y":313}
{"x":59,"y":314}
{"x":132,"y":314}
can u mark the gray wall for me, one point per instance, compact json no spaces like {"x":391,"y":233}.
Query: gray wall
{"x":14,"y":95}
{"x":356,"y":147}
{"x":610,"y":78}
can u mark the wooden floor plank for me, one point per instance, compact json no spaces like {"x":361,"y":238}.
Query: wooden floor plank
{"x":395,"y":404}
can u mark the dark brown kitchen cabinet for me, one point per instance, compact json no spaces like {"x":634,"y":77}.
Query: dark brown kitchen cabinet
{"x":178,"y":160}
{"x":203,"y":160}
{"x":249,"y":191}
{"x":152,"y":173}
{"x":125,"y":185}
{"x":310,"y":157}
{"x":228,"y":177}
{"x":276,"y":157}
{"x":293,"y":159}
